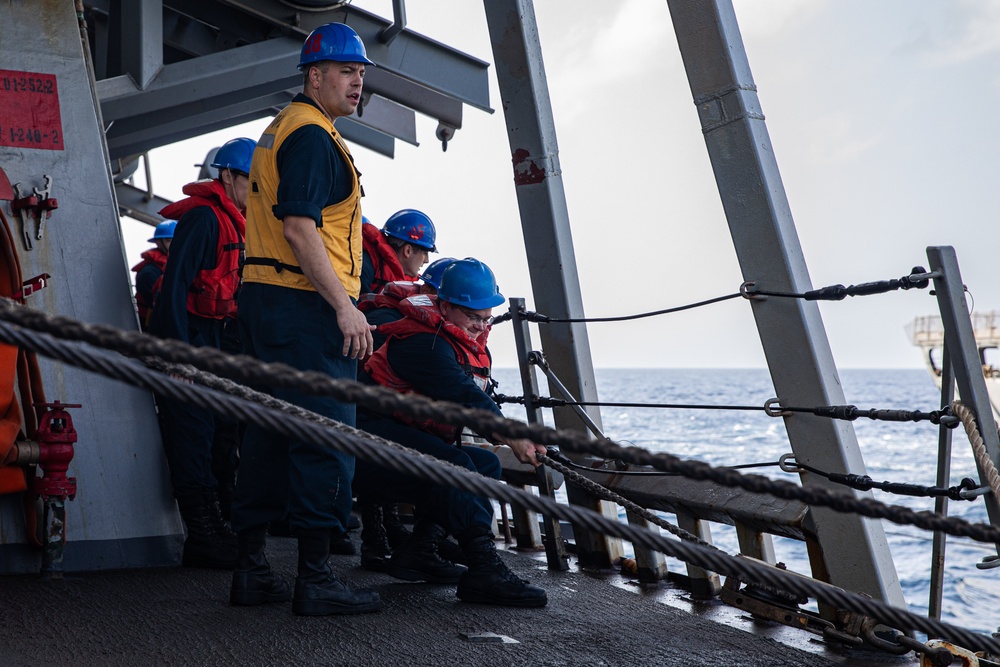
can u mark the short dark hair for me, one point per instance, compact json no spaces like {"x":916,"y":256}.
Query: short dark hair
{"x":321,"y":65}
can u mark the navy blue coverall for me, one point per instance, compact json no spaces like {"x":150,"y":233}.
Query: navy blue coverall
{"x":189,"y":428}
{"x":298,"y":328}
{"x":428,"y":363}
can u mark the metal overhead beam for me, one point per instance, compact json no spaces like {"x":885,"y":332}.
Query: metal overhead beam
{"x":410,"y":55}
{"x":190,"y":37}
{"x":137,"y":204}
{"x":100,"y":40}
{"x":197,"y":27}
{"x":414,"y":96}
{"x":356,"y":133}
{"x":141,"y":39}
{"x":389,"y":118}
{"x":235,"y":27}
{"x":142,"y":133}
{"x":140,"y":143}
{"x":149,"y":126}
{"x":241,"y":77}
{"x":352,"y":131}
{"x":204,"y":83}
{"x":222,"y":84}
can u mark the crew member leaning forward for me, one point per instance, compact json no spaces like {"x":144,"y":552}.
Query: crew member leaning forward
{"x":381,"y":528}
{"x":301,"y":280}
{"x":439,"y":350}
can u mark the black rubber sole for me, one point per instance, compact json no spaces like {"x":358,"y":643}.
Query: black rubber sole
{"x":327,"y":608}
{"x":407,"y":574}
{"x":252,"y":590}
{"x":254,"y":599}
{"x":375,"y":564}
{"x":477,"y":598}
{"x":208,"y":563}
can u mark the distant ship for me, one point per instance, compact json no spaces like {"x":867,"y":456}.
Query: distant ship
{"x":927,"y":333}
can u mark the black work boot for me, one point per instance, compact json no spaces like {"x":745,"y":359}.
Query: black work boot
{"x":253,"y":581}
{"x":341,"y":544}
{"x":318,"y":592}
{"x":394,"y":528}
{"x":210,"y":542}
{"x":375,"y":552}
{"x":488,"y":581}
{"x":450,"y":551}
{"x":418,"y":559}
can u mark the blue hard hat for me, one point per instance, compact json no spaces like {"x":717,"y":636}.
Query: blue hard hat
{"x":365,"y":220}
{"x":412,"y":226}
{"x":235,"y":155}
{"x":333,"y":41}
{"x":164,"y":230}
{"x":432,"y":274}
{"x":470,"y":283}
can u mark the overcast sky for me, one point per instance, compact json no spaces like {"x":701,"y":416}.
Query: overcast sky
{"x":881,"y":114}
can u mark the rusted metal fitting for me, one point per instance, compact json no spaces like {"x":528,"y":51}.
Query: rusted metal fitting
{"x":770,"y":411}
{"x":748,"y":295}
{"x":23,"y":453}
{"x":783,"y":463}
{"x":940,"y":653}
{"x":893,"y":646}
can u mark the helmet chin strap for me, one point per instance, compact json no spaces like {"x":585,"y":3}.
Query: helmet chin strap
{"x":229,"y":187}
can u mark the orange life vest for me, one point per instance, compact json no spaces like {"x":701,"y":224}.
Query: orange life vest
{"x":213,"y":293}
{"x":383,"y":257}
{"x":422,"y":315}
{"x":143,"y":303}
{"x":390,"y":296}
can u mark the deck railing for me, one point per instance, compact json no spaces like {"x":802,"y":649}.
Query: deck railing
{"x":929,"y":331}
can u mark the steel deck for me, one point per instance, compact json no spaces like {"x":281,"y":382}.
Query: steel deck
{"x":181,"y":616}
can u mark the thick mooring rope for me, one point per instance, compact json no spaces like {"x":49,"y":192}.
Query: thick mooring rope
{"x":963,"y":412}
{"x":255,"y":373}
{"x":603,"y":492}
{"x":360,"y":445}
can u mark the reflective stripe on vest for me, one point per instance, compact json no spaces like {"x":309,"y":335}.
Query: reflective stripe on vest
{"x":270,"y":259}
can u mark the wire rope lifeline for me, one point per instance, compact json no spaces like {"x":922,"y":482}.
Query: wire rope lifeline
{"x":253,"y":372}
{"x":918,"y":278}
{"x":771,"y":407}
{"x":298,"y":428}
{"x":558,"y":462}
{"x":967,"y":489}
{"x":964,"y":491}
{"x":622,"y":470}
{"x":532,"y":316}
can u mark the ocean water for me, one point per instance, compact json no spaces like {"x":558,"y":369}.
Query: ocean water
{"x":896,"y":452}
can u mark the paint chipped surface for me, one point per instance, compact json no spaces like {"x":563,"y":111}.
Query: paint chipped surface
{"x":527,"y":171}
